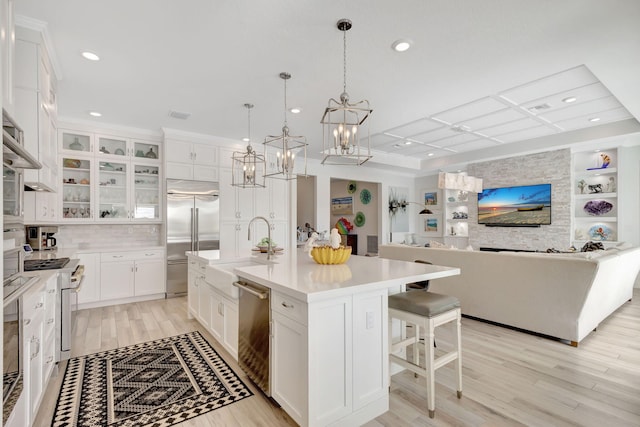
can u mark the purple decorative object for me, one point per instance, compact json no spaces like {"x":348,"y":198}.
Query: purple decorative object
{"x":597,"y":207}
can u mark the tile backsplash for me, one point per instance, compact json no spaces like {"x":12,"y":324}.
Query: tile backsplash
{"x":109,"y":236}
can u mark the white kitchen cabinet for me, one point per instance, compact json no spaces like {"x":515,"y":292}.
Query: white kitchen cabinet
{"x":49,"y":333}
{"x":239,"y":205}
{"x":116,"y":278}
{"x":272,"y":202}
{"x":35,"y":106}
{"x":223,"y":314}
{"x":7,"y":53}
{"x":194,"y":278}
{"x":212,"y":308}
{"x":39,"y":305}
{"x":149,"y":276}
{"x":129,"y":274}
{"x":76,"y":193}
{"x":90,"y":287}
{"x":313,"y":349}
{"x":289,"y":355}
{"x":206,"y":301}
{"x":109,"y":178}
{"x":191,"y":160}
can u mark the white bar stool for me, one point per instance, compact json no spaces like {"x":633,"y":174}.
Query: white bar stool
{"x":427,"y":310}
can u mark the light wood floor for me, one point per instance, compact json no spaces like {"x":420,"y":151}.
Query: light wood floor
{"x":509,"y":378}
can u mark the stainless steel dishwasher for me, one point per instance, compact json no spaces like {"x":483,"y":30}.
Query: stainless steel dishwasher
{"x":254,"y":333}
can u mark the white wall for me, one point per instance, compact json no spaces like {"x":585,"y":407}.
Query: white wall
{"x":386,"y":179}
{"x":551,"y":167}
{"x":306,"y":206}
{"x":370,"y":211}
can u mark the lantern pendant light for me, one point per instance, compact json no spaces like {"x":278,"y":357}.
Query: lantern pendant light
{"x":248,"y":167}
{"x":345,"y":140}
{"x":286,"y":147}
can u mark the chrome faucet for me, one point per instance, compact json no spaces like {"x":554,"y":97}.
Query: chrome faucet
{"x":269,"y":248}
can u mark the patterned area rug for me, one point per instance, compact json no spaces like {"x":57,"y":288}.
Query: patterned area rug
{"x":158,"y":383}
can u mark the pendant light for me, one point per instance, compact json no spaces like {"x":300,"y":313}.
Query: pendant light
{"x":343,"y":122}
{"x":247,"y":167}
{"x":286,"y":147}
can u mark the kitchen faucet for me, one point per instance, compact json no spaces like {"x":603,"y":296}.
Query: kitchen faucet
{"x":269,"y":249}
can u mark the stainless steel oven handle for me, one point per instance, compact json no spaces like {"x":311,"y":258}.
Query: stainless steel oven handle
{"x":77,"y":288}
{"x":248,"y":288}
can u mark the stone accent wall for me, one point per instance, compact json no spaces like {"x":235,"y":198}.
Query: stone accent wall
{"x":552,"y":167}
{"x":108,"y":236}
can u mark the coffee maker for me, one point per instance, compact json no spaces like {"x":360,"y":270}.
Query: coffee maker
{"x":41,"y":237}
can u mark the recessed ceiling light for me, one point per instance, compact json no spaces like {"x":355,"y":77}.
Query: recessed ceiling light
{"x":245,"y":139}
{"x":90,"y":56}
{"x":431,"y":154}
{"x":95,"y":114}
{"x":295,"y":110}
{"x":401,"y":45}
{"x":594,"y":119}
{"x":407,"y":143}
{"x":570,"y":99}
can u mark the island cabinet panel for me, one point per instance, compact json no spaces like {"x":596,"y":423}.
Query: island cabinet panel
{"x":370,"y":373}
{"x":289,"y":366}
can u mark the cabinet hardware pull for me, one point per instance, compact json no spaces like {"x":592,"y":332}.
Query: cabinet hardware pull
{"x":287,"y":305}
{"x":52,"y":291}
{"x":39,"y":305}
{"x":50,"y":321}
{"x":27,"y":321}
{"x":49,"y":359}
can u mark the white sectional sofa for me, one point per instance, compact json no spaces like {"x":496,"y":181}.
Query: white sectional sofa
{"x":561,"y":295}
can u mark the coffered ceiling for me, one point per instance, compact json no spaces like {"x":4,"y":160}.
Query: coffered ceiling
{"x":481,"y":79}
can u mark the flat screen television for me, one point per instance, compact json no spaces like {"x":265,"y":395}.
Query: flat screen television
{"x":521,"y":206}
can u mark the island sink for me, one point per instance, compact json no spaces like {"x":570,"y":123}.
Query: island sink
{"x":222,"y":275}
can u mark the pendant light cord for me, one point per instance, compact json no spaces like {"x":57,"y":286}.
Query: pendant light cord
{"x":285,"y":102}
{"x":249,"y":124}
{"x":344,"y":59}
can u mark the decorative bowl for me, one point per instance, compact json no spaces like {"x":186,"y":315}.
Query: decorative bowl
{"x":328,"y":255}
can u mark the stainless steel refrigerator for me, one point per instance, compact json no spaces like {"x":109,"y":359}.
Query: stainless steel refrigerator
{"x":193,"y":224}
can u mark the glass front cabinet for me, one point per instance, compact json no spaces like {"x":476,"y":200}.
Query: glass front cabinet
{"x":118,"y":181}
{"x":77,"y":193}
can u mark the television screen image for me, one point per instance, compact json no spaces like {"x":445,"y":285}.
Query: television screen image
{"x":526,"y":205}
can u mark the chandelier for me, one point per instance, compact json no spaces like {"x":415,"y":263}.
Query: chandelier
{"x":286,"y":146}
{"x":247,"y":167}
{"x":342,"y":122}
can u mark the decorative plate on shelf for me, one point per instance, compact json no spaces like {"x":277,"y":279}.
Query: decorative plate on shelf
{"x":600,"y":232}
{"x":351,"y":187}
{"x":359,"y":220}
{"x":597,"y":207}
{"x":71,"y":163}
{"x":365,"y":196}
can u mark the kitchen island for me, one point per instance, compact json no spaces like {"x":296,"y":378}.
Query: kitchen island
{"x":329,"y":333}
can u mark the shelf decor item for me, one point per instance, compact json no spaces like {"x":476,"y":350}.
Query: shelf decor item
{"x":359,"y":220}
{"x":329,"y":255}
{"x":606,"y":160}
{"x":365,"y":196}
{"x":600,"y":232}
{"x":342,"y":205}
{"x":351,"y":187}
{"x":597,"y":207}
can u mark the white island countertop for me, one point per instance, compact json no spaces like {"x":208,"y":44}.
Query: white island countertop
{"x":299,"y":276}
